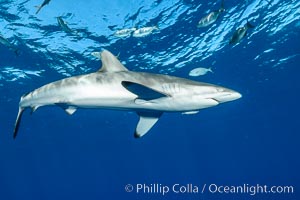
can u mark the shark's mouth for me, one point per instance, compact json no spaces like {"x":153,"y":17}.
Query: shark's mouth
{"x":216,"y":100}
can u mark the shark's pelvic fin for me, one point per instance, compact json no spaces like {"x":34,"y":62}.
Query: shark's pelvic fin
{"x":142,"y":91}
{"x":110,"y":63}
{"x":190,"y":112}
{"x":18,"y":121}
{"x":146,"y":122}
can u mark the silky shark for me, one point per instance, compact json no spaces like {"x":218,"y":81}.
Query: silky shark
{"x":113,"y":86}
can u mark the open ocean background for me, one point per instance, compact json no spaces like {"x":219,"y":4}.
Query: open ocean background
{"x":93,"y":154}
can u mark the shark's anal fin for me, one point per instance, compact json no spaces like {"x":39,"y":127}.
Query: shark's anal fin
{"x":69,"y":109}
{"x":146,"y":122}
{"x":18,"y":121}
{"x":143,"y":92}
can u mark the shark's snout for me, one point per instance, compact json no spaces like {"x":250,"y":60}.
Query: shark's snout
{"x":227,"y":95}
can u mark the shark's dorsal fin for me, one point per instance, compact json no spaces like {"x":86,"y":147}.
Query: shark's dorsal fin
{"x":110,"y":63}
{"x":146,"y":122}
{"x":142,"y":91}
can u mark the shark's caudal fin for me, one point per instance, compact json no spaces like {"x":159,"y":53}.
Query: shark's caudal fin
{"x":18,"y":121}
{"x":146,"y":122}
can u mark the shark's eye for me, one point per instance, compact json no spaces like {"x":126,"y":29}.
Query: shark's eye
{"x":220,"y":89}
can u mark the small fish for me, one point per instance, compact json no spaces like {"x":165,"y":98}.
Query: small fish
{"x":10,"y":46}
{"x":96,"y":54}
{"x":45,"y":2}
{"x":268,"y":1}
{"x":142,"y":32}
{"x":63,"y":25}
{"x":200,"y":71}
{"x":240,"y":33}
{"x":211,"y":17}
{"x":124,"y":32}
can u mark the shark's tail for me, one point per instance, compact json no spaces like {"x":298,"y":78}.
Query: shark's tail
{"x":18,"y":121}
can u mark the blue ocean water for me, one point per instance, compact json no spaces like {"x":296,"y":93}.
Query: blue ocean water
{"x":93,"y":154}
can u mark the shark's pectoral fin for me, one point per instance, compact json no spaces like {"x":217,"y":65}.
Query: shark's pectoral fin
{"x":69,"y":109}
{"x":142,"y":91}
{"x":146,"y":122}
{"x":18,"y":121}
